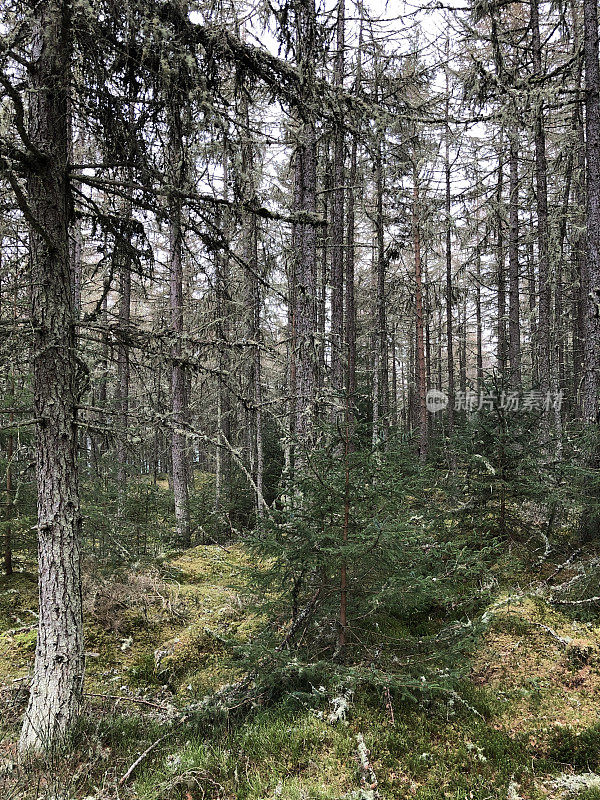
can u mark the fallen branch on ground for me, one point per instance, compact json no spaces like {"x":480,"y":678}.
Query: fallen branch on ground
{"x":149,"y":750}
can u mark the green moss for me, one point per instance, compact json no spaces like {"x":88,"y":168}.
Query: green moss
{"x":580,"y":749}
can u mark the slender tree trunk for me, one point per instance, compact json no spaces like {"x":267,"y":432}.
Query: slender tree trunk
{"x":578,"y":268}
{"x":305,"y":250}
{"x":421,"y":376}
{"x":123,"y":372}
{"x":10,"y":379}
{"x":478,"y":316}
{"x":501,"y":357}
{"x":514,"y":323}
{"x":178,"y":374}
{"x":337,"y":227}
{"x":8,"y":563}
{"x":350,"y":347}
{"x":380,"y":370}
{"x":531,"y":277}
{"x":255,"y":308}
{"x":541,"y":184}
{"x":449,"y":298}
{"x":223,"y":310}
{"x":57,"y":683}
{"x":463,"y":345}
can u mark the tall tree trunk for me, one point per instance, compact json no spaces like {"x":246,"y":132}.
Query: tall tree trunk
{"x":10,"y":398}
{"x":531,"y":278}
{"x":350,"y":348}
{"x":255,"y":308}
{"x":57,"y":684}
{"x":541,"y":185}
{"x":421,"y":376}
{"x":337,"y":228}
{"x":223,"y":311}
{"x":449,"y":298}
{"x":591,"y":318}
{"x":123,"y":371}
{"x":578,"y":267}
{"x":304,"y":236}
{"x":501,"y":355}
{"x":380,"y":367}
{"x":478,"y":315}
{"x":514,"y":326}
{"x":178,"y":373}
{"x":8,"y":562}
{"x":463,"y":344}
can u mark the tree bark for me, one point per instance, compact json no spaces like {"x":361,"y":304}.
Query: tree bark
{"x":449,"y":299}
{"x":541,"y":185}
{"x":337,"y":228}
{"x":380,"y":366}
{"x":178,"y":375}
{"x":500,"y":265}
{"x":421,"y":376}
{"x":304,"y":236}
{"x":514,"y":326}
{"x":591,"y":341}
{"x":56,"y":688}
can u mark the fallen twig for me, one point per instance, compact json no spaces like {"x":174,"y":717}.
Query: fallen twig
{"x":565,"y":564}
{"x":148,"y":750}
{"x":575,"y":602}
{"x":564,"y":641}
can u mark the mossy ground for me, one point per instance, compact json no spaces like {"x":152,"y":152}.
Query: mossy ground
{"x":528,"y":712}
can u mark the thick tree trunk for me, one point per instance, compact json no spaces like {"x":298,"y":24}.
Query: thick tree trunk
{"x":591,"y":317}
{"x":56,"y":688}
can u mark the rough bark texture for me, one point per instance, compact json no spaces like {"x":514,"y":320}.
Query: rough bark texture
{"x":591,"y":320}
{"x":123,"y":372}
{"x":223,"y":312}
{"x":254,"y":302}
{"x":59,"y":659}
{"x":541,"y":187}
{"x":501,"y":356}
{"x":380,"y":366}
{"x":337,"y":228}
{"x":421,"y":376}
{"x":514,"y":328}
{"x":478,"y":315}
{"x":178,"y":377}
{"x":305,"y":243}
{"x":449,"y":330}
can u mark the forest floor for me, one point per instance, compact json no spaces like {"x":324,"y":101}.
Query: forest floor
{"x":525,"y":724}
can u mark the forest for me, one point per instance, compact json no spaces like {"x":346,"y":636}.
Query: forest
{"x":299,"y":400}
